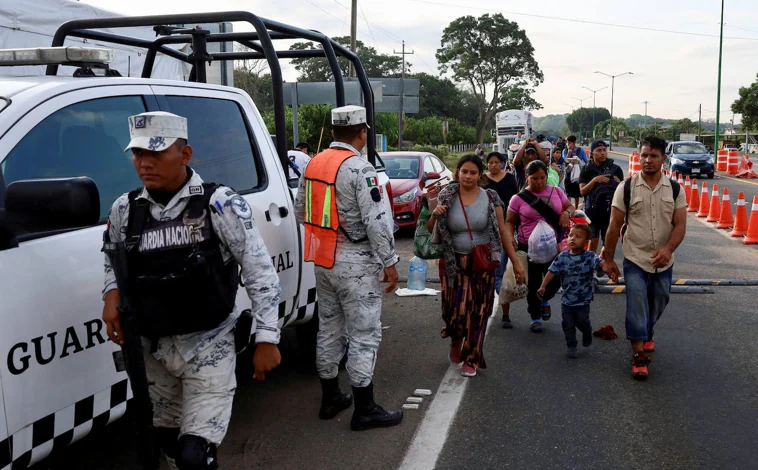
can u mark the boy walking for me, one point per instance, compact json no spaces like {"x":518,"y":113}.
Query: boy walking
{"x":575,"y":268}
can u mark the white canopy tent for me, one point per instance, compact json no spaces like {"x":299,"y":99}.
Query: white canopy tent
{"x":32,"y":23}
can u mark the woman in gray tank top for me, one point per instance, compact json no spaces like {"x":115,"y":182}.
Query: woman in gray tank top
{"x":467,"y":297}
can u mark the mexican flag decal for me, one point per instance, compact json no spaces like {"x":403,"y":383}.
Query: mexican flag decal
{"x":371,"y":182}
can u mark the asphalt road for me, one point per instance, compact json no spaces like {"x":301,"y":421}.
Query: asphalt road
{"x":532,"y":407}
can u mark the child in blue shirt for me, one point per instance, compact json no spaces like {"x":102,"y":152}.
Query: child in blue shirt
{"x":575,"y":268}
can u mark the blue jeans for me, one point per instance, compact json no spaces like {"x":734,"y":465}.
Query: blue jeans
{"x":500,"y":272}
{"x":647,"y":295}
{"x":576,"y":317}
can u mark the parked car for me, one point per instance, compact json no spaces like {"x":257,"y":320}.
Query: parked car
{"x":410,"y":173}
{"x":689,"y":158}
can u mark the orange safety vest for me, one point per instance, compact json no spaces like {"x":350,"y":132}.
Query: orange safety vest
{"x":321,"y":218}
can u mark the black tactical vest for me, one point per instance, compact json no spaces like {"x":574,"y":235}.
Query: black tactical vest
{"x":179,"y":280}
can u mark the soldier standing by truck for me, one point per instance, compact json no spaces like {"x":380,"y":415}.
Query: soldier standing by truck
{"x":185,"y":242}
{"x":349,"y":238}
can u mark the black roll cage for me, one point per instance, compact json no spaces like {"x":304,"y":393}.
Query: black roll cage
{"x":260,"y":41}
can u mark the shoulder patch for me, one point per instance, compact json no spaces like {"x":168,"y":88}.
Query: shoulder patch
{"x":372,"y":181}
{"x":229,"y":193}
{"x":376,"y":196}
{"x":248,"y":225}
{"x":195,"y":189}
{"x":367,"y":169}
{"x":241,"y":207}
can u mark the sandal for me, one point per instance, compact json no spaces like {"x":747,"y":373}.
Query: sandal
{"x":546,"y":312}
{"x":536,"y":326}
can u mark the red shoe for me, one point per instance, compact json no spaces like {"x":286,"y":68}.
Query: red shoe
{"x":640,"y":361}
{"x":468,"y":371}
{"x":648,"y":346}
{"x":455,"y":352}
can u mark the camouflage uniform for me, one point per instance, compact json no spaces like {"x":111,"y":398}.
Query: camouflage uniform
{"x":192,"y":376}
{"x":350,"y":295}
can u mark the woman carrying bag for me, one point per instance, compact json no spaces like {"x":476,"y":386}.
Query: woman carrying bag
{"x":537,"y":202}
{"x":470,"y":223}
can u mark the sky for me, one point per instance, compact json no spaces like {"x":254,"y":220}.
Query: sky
{"x":672,"y":71}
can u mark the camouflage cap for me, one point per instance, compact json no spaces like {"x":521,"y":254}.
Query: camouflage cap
{"x":156,"y":130}
{"x":349,"y":116}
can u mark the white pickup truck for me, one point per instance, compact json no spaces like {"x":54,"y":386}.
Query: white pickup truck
{"x":58,"y":381}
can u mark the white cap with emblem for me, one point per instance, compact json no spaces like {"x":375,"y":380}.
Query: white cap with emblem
{"x":349,"y":116}
{"x":156,"y":130}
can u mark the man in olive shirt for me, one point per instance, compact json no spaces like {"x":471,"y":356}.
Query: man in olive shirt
{"x":656,"y":221}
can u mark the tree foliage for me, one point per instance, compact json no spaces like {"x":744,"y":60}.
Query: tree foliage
{"x":318,"y":70}
{"x":581,"y":120}
{"x":439,"y":96}
{"x":747,"y":105}
{"x":601,"y":129}
{"x":518,"y":97}
{"x":489,"y":53}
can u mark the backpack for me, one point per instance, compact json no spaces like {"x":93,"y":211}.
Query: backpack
{"x":675,"y":189}
{"x":600,"y":199}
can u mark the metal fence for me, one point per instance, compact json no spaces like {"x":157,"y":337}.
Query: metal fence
{"x":458,"y":148}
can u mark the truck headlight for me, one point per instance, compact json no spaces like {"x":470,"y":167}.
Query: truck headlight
{"x":406,"y":197}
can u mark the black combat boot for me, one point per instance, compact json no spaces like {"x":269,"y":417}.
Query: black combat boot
{"x":368,"y":415}
{"x":332,"y":399}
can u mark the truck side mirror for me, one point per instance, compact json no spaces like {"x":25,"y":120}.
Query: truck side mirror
{"x":43,"y":205}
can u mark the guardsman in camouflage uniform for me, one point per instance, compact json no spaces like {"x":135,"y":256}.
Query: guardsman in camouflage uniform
{"x":191,"y":238}
{"x":348,"y":235}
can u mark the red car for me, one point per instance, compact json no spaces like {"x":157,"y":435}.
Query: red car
{"x":410,"y":173}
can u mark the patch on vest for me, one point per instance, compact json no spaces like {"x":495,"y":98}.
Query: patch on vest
{"x":171,"y":235}
{"x":249,"y":225}
{"x":241,"y":207}
{"x":195,"y":189}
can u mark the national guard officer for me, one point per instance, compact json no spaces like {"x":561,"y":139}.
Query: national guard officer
{"x":186,"y":240}
{"x":348,"y":235}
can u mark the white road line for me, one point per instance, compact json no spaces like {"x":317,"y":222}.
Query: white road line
{"x":431,"y":435}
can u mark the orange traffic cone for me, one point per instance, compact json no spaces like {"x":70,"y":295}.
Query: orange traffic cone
{"x":694,"y":197}
{"x":740,"y":217}
{"x":687,"y":189}
{"x":752,"y":231}
{"x":727,"y":219}
{"x":704,"y":201}
{"x":715,"y":212}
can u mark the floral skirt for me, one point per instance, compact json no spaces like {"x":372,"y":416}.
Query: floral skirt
{"x":467,"y":303}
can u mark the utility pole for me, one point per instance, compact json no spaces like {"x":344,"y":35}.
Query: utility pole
{"x":402,"y":92}
{"x":718,"y":92}
{"x":353,"y":33}
{"x":699,"y":120}
{"x":594,"y":92}
{"x":613,"y":86}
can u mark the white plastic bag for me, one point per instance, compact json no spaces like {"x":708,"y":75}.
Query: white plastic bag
{"x":576,"y":171}
{"x":543,"y":245}
{"x":512,"y":291}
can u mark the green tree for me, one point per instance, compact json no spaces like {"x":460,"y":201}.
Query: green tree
{"x":685,"y":125}
{"x":250,"y":76}
{"x":488,"y":53}
{"x":439,"y":96}
{"x":318,"y":70}
{"x":747,"y":105}
{"x":518,"y":97}
{"x":581,"y":119}
{"x":601,"y":129}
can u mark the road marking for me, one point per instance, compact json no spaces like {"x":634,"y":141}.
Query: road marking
{"x":431,"y":435}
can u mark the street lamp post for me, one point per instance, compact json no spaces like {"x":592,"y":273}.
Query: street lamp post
{"x":594,"y":92}
{"x":718,"y":92}
{"x":581,"y":106}
{"x":613,"y":86}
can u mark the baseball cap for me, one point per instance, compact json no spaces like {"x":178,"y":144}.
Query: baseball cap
{"x":156,"y":130}
{"x":349,"y":116}
{"x":530,"y":148}
{"x":596,"y":144}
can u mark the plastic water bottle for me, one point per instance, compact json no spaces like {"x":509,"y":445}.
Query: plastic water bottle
{"x":417,"y":274}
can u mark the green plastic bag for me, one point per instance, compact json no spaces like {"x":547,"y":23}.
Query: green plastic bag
{"x":422,"y":239}
{"x":553,"y":178}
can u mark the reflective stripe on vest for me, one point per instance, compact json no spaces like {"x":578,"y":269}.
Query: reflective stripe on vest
{"x":321,"y":217}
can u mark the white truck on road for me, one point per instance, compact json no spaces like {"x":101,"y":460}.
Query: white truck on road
{"x":58,"y":381}
{"x":508,"y":123}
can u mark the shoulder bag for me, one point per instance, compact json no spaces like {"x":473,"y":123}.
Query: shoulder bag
{"x":481,"y":254}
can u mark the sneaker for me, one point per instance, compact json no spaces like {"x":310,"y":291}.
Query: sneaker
{"x":536,"y":326}
{"x":455,"y":352}
{"x":506,"y":323}
{"x":586,"y":340}
{"x":648,"y":346}
{"x":639,"y":366}
{"x":468,"y":371}
{"x":572,"y":353}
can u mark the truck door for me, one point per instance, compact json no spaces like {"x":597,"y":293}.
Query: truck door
{"x":58,"y":377}
{"x":231,"y":147}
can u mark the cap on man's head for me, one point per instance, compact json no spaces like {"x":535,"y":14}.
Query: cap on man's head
{"x":530,"y":148}
{"x":156,"y":130}
{"x":596,"y":144}
{"x":349,"y":116}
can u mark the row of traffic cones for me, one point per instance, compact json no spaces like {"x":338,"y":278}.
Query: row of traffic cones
{"x":718,"y":210}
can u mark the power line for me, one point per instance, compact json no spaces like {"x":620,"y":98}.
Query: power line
{"x":615,"y":25}
{"x":367,"y":23}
